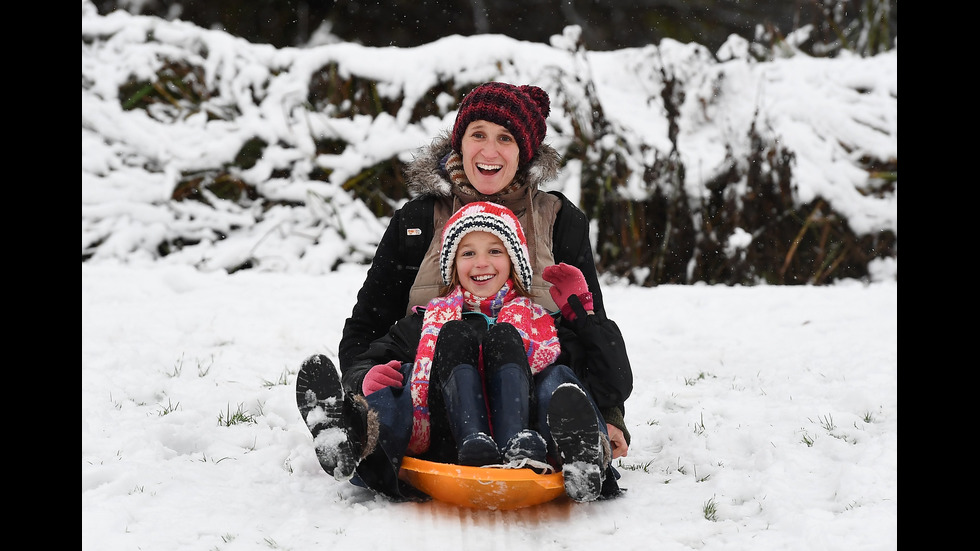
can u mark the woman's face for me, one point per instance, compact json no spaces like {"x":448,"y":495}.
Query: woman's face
{"x":490,"y":156}
{"x":482,"y":263}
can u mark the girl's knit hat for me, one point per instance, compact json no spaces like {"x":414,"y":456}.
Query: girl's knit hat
{"x":492,"y":218}
{"x":520,"y":109}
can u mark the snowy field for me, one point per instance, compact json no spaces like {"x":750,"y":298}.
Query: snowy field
{"x":763,"y":418}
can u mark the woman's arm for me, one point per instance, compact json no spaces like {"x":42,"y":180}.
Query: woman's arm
{"x":382,"y":299}
{"x":571,"y":244}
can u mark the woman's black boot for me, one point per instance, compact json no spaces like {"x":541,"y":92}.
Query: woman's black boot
{"x":344,"y":428}
{"x":584,"y":449}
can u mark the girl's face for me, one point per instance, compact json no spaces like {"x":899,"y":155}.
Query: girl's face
{"x":490,"y":156}
{"x":482,"y":263}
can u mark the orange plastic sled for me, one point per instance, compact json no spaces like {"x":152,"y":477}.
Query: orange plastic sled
{"x":482,"y":487}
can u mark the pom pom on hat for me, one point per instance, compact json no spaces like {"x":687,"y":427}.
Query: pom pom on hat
{"x":520,"y":109}
{"x":492,"y":218}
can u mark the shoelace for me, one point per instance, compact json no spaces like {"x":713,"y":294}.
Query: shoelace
{"x":538,"y":466}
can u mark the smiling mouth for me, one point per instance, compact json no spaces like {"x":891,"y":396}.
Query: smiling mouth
{"x":488,"y":169}
{"x":482,"y":278}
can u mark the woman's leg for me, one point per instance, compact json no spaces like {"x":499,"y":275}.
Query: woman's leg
{"x":545,"y":384}
{"x":578,"y":441}
{"x":344,"y":428}
{"x":357,"y":439}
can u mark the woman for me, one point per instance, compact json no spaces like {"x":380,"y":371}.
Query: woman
{"x":482,"y":332}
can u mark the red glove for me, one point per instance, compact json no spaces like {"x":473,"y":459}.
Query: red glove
{"x":567,"y":280}
{"x":382,"y":376}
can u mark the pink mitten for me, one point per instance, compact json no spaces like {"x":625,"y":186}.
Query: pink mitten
{"x":382,"y":376}
{"x":567,"y":280}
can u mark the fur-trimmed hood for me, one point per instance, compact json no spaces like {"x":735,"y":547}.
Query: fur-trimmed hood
{"x":427,"y":175}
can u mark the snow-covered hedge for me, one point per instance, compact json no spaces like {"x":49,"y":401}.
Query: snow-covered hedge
{"x":202,"y":148}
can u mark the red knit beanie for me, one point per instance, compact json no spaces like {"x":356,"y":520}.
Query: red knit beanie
{"x":491,"y":218}
{"x":520,"y":109}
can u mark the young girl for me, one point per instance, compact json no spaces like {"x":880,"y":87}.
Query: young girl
{"x":482,"y":332}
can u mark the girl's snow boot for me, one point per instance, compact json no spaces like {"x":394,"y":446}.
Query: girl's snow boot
{"x":461,"y":396}
{"x":468,"y":422}
{"x":509,"y":392}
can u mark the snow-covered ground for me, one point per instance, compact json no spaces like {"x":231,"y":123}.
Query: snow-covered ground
{"x":763,"y":418}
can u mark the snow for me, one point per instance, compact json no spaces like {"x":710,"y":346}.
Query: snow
{"x":762,"y":417}
{"x":777,"y":405}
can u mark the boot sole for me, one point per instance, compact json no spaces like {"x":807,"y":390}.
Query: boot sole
{"x":579,"y":442}
{"x":320,"y":399}
{"x":318,"y":385}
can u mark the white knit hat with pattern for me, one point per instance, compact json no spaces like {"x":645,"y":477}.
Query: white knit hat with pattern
{"x":492,"y":218}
